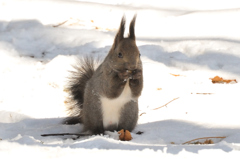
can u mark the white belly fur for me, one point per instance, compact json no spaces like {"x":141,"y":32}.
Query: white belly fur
{"x":111,"y":107}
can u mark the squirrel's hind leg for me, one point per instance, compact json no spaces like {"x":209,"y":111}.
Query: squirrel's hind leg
{"x":129,"y":116}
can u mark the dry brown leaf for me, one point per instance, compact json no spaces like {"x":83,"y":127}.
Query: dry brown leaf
{"x":125,"y":135}
{"x":208,"y":140}
{"x":176,"y":75}
{"x":218,"y":79}
{"x":203,"y":143}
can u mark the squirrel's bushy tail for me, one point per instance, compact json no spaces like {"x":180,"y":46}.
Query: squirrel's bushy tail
{"x":84,"y":70}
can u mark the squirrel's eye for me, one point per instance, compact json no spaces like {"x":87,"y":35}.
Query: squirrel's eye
{"x":139,"y":55}
{"x":120,"y":55}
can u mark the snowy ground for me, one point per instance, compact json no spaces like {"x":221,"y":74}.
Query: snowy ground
{"x":196,"y":40}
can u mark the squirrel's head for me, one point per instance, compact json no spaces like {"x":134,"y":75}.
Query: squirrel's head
{"x":124,"y":54}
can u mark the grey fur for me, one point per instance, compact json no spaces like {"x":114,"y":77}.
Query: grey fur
{"x":109,"y":79}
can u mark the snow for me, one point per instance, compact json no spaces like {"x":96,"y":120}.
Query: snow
{"x":196,"y":40}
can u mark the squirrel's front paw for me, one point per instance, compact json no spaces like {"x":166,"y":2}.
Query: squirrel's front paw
{"x":128,"y":74}
{"x":123,"y":75}
{"x":136,"y":74}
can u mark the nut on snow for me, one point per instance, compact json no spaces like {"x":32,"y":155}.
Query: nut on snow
{"x":125,"y":135}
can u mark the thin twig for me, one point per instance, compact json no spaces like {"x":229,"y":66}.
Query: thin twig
{"x":203,"y":93}
{"x":218,"y":137}
{"x":60,"y":24}
{"x":63,"y":134}
{"x":142,"y":113}
{"x":166,"y":104}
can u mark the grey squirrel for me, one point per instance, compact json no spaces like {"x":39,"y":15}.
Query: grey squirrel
{"x":106,"y":98}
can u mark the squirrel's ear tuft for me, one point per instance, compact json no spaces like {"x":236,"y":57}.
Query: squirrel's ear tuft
{"x":131,"y":28}
{"x":120,"y":34}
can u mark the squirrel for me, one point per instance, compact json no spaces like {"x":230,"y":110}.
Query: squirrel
{"x":106,"y":98}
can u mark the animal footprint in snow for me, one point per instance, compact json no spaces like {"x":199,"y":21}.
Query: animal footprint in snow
{"x":124,"y":135}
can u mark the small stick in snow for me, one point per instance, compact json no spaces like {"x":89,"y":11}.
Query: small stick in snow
{"x":142,"y":113}
{"x":63,"y":134}
{"x":165,"y":105}
{"x":203,"y":93}
{"x":60,"y":24}
{"x":218,"y":137}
